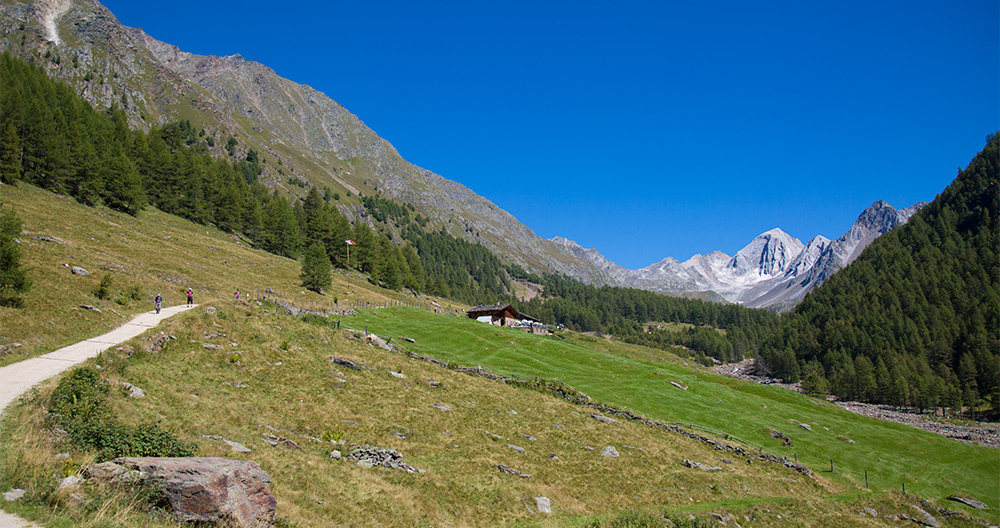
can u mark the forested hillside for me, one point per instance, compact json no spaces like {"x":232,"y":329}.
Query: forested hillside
{"x":915,"y":320}
{"x":52,"y":138}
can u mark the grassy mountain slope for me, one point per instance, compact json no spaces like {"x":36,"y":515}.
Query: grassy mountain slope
{"x":240,"y":391}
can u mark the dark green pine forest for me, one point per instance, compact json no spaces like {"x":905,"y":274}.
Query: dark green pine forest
{"x":914,"y":321}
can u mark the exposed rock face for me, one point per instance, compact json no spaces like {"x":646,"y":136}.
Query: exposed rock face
{"x":204,"y":489}
{"x":773,"y":270}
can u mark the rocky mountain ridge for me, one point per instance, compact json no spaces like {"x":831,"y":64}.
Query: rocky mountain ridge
{"x":308,"y":136}
{"x":775,"y":270}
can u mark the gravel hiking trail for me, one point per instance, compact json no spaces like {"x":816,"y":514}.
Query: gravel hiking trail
{"x":17,"y":378}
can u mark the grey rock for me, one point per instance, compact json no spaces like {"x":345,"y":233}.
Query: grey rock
{"x":679,"y":385}
{"x":347,"y":363}
{"x":46,"y":238}
{"x":529,"y":437}
{"x":519,"y":449}
{"x":604,"y":419}
{"x":133,"y":391}
{"x":70,"y":482}
{"x":236,"y":446}
{"x":969,"y":501}
{"x":210,"y":309}
{"x":610,"y":452}
{"x":13,"y":494}
{"x":206,"y":489}
{"x":335,"y":454}
{"x":397,"y":374}
{"x":89,"y":307}
{"x":442,"y":406}
{"x":698,"y":465}
{"x":543,"y":504}
{"x":77,"y":270}
{"x":511,"y":471}
{"x":805,"y":426}
{"x":926,"y":518}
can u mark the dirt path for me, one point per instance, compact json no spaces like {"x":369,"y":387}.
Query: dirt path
{"x":17,"y":378}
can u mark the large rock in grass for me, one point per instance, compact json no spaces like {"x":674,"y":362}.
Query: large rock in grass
{"x":210,"y":489}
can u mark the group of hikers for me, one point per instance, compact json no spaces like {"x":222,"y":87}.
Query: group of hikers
{"x":158,"y":302}
{"x":190,"y":297}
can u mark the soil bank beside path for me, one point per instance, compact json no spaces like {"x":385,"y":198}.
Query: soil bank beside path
{"x":17,"y":378}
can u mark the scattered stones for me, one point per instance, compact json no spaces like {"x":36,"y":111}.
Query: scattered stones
{"x":13,"y":494}
{"x":543,"y":504}
{"x":348,"y":363}
{"x":511,"y":471}
{"x":204,"y":489}
{"x":679,"y":385}
{"x":46,"y":238}
{"x":77,"y":270}
{"x":443,"y":407}
{"x":604,"y":419}
{"x":698,"y":465}
{"x":969,"y":501}
{"x":211,"y":346}
{"x":778,"y":435}
{"x":610,"y":452}
{"x":519,"y":449}
{"x":89,"y":307}
{"x":371,"y":456}
{"x":275,"y":441}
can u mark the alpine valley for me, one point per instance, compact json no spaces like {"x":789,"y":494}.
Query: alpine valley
{"x":308,"y":139}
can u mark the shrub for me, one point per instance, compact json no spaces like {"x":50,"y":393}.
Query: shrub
{"x":79,"y":405}
{"x":103,"y":290}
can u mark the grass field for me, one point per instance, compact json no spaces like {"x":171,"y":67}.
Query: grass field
{"x":267,"y":374}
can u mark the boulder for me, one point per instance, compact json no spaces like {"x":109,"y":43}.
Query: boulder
{"x":77,"y":270}
{"x":610,"y":452}
{"x":969,"y":501}
{"x":206,"y":489}
{"x":544,"y":504}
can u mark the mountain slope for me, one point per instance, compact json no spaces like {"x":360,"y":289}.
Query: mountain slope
{"x":312,"y":136}
{"x":915,"y":319}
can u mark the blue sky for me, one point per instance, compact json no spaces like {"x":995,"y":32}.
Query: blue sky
{"x":646,"y":129}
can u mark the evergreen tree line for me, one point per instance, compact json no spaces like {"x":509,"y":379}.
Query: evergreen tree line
{"x":54,"y":139}
{"x":915,"y":319}
{"x":623,"y":312}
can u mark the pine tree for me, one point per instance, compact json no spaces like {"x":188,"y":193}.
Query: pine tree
{"x":316,"y":269}
{"x":13,"y":276}
{"x":10,"y":155}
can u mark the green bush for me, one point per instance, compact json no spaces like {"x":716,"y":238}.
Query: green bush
{"x":79,"y":405}
{"x":103,"y":290}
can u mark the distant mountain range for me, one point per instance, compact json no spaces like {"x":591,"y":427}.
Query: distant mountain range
{"x":304,"y":136}
{"x":774,"y":270}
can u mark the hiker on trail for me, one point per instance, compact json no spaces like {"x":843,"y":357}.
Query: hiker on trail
{"x":157,"y":302}
{"x":190,"y":297}
{"x":237,"y":295}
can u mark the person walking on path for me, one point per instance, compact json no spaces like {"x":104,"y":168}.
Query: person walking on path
{"x":17,"y":378}
{"x":237,"y":295}
{"x":158,"y":302}
{"x":190,"y":297}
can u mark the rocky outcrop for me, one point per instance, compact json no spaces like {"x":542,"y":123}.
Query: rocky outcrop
{"x":201,"y":489}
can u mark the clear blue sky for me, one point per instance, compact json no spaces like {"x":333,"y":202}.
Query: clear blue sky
{"x":646,"y":129}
